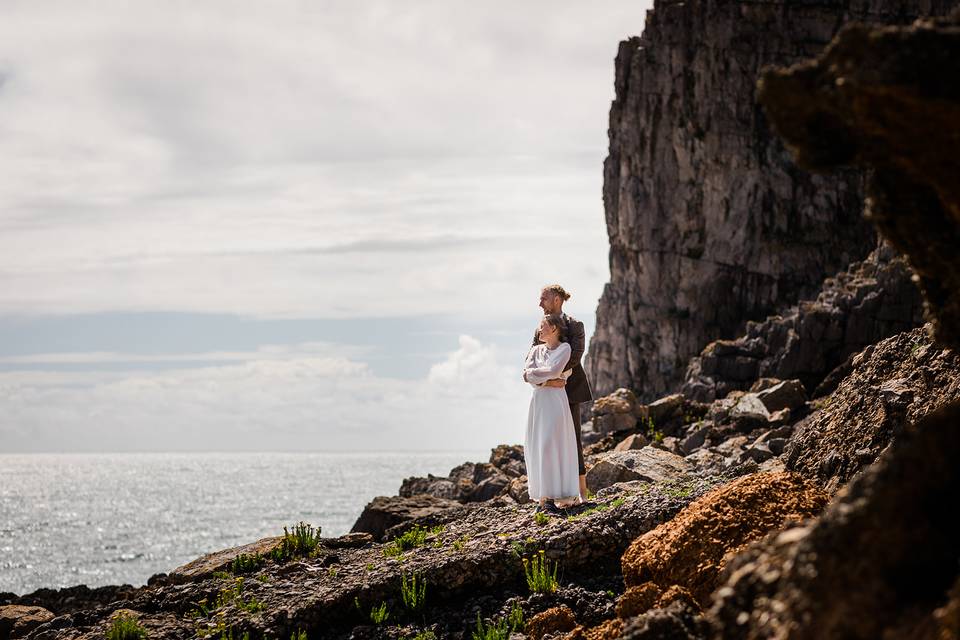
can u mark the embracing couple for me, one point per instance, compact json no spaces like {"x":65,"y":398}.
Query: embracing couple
{"x":552,"y":449}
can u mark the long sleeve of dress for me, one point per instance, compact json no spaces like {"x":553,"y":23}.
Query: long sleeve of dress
{"x":556,"y":360}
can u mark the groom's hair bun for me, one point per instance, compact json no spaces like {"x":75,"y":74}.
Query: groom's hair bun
{"x":557,"y":290}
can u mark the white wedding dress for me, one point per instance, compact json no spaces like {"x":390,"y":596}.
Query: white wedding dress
{"x":550,"y":445}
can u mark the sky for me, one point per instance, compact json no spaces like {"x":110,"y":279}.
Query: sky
{"x":323,"y":226}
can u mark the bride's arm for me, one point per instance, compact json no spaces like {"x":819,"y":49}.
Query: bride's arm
{"x":556,"y":360}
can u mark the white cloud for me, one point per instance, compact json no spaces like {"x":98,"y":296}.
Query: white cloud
{"x":307,"y":160}
{"x":300,"y":401}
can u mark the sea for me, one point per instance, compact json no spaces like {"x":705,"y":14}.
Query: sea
{"x":119,"y":518}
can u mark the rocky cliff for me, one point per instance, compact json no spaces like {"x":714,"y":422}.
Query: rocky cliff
{"x":711,"y":223}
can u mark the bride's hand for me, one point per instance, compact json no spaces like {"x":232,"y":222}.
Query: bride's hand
{"x":556,"y":382}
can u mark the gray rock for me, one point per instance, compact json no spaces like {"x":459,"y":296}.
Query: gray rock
{"x":649,"y":464}
{"x":788,"y":394}
{"x":634,"y":441}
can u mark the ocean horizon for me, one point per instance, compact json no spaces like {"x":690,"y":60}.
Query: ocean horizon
{"x":119,"y":518}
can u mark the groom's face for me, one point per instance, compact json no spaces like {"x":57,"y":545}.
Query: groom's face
{"x":549,"y":302}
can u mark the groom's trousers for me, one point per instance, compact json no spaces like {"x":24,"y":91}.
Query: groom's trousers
{"x":575,"y":412}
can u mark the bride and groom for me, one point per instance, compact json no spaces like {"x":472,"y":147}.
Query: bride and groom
{"x":552,"y":449}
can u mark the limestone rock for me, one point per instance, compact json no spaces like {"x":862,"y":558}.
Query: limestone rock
{"x":711,"y":223}
{"x":218,"y":561}
{"x":18,"y":620}
{"x":648,"y":464}
{"x":634,"y":441}
{"x":883,"y":98}
{"x":384,"y":512}
{"x":872,"y":300}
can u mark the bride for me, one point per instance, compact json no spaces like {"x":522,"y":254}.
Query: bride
{"x":550,"y":446}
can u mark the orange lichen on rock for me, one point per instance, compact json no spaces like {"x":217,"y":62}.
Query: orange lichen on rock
{"x":551,"y":621}
{"x":637,"y":600}
{"x":607,"y":630}
{"x":689,"y":550}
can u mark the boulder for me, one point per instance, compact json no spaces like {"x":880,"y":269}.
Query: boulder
{"x":663,"y":410}
{"x":518,"y":490}
{"x":18,"y":620}
{"x":205,"y":566}
{"x":649,"y":464}
{"x":384,"y":512}
{"x":788,"y":394}
{"x":620,"y":401}
{"x":635,"y":441}
{"x":491,"y":487}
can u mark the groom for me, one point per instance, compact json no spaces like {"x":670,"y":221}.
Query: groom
{"x":552,"y":298}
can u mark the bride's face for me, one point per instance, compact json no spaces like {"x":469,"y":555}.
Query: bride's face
{"x":547,"y":330}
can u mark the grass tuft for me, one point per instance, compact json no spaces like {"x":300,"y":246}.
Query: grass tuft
{"x":303,"y":542}
{"x":125,"y":626}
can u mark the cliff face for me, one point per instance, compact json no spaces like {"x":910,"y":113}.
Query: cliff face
{"x":710,"y":221}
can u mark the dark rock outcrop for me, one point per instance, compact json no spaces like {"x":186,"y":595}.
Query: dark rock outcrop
{"x":710,"y":221}
{"x":887,"y":98}
{"x":868,"y":302}
{"x":892,"y":385}
{"x":384,"y":512}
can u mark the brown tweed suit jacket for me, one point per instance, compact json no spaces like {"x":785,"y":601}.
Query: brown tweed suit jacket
{"x":578,"y":389}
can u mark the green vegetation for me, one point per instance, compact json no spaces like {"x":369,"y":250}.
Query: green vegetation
{"x":303,"y":542}
{"x":298,"y":635}
{"x":516,"y":617}
{"x":541,"y":518}
{"x":460,"y":542}
{"x":540,"y":578}
{"x":231,"y":595}
{"x":379,"y":615}
{"x":227,"y":634}
{"x":613,"y":504}
{"x":498,"y":630}
{"x":652,"y":432}
{"x":332,"y":571}
{"x":412,"y":538}
{"x":423,"y":635}
{"x":247,"y":563}
{"x":222,"y":575}
{"x":125,"y":626}
{"x":414,"y":591}
{"x":678,"y":490}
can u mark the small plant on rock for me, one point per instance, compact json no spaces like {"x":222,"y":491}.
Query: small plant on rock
{"x":303,"y":542}
{"x":412,"y":538}
{"x":298,"y":635}
{"x":379,"y":614}
{"x":125,"y":626}
{"x":414,"y":591}
{"x":541,"y":518}
{"x":540,"y":578}
{"x":515,"y":619}
{"x":498,"y":630}
{"x":247,"y":563}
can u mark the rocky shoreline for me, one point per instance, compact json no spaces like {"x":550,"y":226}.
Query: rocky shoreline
{"x":799,"y":481}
